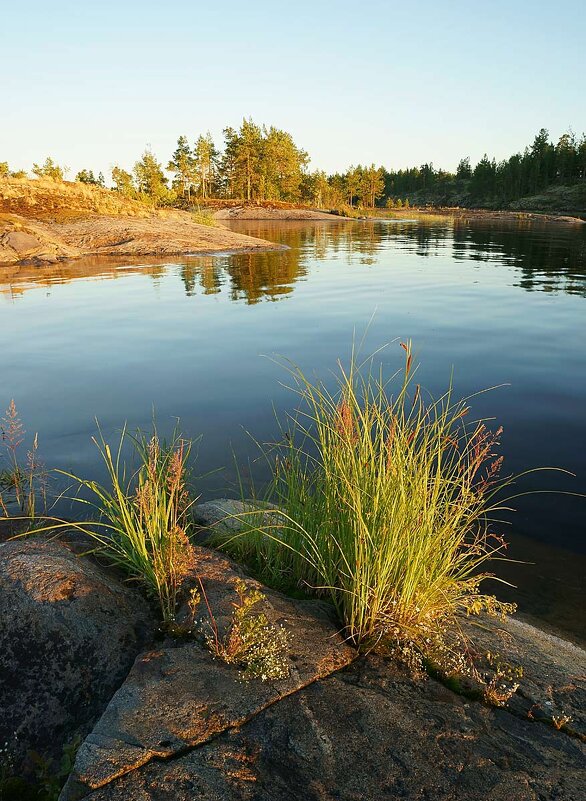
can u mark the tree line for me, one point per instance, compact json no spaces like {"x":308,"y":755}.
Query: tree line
{"x":260,"y":163}
{"x":539,"y":167}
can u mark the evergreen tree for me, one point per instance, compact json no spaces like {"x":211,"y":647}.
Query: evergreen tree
{"x":123,"y":182}
{"x":353,"y":183}
{"x":205,"y":164}
{"x":282,"y":166}
{"x":464,"y":170}
{"x":182,"y":164}
{"x":372,"y":185}
{"x":566,"y":158}
{"x":49,"y":169}
{"x":227,"y":181}
{"x":150,"y":178}
{"x":86,"y":177}
{"x":249,"y":154}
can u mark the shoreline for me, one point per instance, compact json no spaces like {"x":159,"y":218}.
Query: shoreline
{"x":491,"y":214}
{"x":46,"y":222}
{"x":538,"y":629}
{"x":25,"y":241}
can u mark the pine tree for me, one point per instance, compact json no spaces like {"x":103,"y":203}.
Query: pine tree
{"x":123,"y":182}
{"x":86,"y":177}
{"x":464,"y":170}
{"x":353,"y":179}
{"x":182,"y":164}
{"x":205,"y":164}
{"x":150,"y":178}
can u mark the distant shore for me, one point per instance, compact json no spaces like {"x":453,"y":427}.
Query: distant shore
{"x":489,"y":214}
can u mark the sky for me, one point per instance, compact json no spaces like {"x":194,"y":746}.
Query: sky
{"x":395,"y":83}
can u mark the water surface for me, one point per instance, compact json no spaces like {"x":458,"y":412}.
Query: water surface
{"x":499,"y":303}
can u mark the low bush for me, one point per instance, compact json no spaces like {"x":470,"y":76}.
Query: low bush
{"x":252,"y":643}
{"x":203,"y":216}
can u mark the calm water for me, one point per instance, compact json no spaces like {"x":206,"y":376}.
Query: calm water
{"x":501,"y":304}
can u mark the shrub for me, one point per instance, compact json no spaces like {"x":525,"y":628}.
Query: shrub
{"x":203,"y":216}
{"x":49,"y":169}
{"x":385,"y":506}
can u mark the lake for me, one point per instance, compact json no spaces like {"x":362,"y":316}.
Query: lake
{"x":195,"y":338}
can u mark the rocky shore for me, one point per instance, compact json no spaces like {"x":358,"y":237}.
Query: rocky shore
{"x":43,"y":221}
{"x":160,"y":718}
{"x":253,"y":212}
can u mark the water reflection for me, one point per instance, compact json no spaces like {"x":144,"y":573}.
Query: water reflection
{"x":547,"y":258}
{"x":501,"y":304}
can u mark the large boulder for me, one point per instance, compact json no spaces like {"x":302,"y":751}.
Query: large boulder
{"x":69,"y":633}
{"x":225,"y":516}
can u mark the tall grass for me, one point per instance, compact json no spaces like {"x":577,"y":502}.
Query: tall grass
{"x":24,"y":480}
{"x":142,"y":521}
{"x":384,"y":508}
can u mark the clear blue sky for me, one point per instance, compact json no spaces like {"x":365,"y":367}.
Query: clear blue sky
{"x":396,"y":83}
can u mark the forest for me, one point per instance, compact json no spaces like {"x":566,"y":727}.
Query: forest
{"x":257,"y":163}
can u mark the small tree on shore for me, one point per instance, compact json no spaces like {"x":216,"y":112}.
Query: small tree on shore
{"x":150,"y":178}
{"x":49,"y":169}
{"x":123,"y":182}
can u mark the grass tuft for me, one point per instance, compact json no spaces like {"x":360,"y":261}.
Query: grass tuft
{"x":143,"y":523}
{"x":384,"y":508}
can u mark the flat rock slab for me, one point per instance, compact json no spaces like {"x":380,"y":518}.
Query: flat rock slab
{"x":187,"y":727}
{"x":553,"y":682}
{"x":369,"y":732}
{"x":179,"y":696}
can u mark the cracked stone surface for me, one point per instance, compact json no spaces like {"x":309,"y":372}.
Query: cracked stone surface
{"x":186,"y":727}
{"x":178,"y":696}
{"x":369,"y":732}
{"x":553,"y":684}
